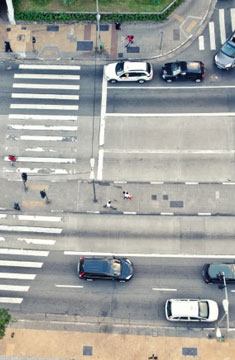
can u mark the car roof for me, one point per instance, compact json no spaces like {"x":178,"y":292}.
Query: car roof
{"x":96,"y":265}
{"x":184,"y":308}
{"x":227,"y":269}
{"x":193,"y":66}
{"x":134,"y":65}
{"x":231,"y":39}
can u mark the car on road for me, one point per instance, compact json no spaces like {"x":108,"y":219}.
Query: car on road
{"x":225,"y":58}
{"x":191,"y":310}
{"x":106,"y":268}
{"x":213,"y":273}
{"x":140,"y":71}
{"x":183,"y":70}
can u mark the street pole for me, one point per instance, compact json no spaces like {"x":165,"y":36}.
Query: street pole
{"x":226,"y":302}
{"x":98,"y":24}
{"x":92,"y":178}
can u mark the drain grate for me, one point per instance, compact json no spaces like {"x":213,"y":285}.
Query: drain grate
{"x":84,"y":45}
{"x":87,"y":350}
{"x":176,"y":204}
{"x":154,"y":197}
{"x":189,"y":351}
{"x":133,"y":49}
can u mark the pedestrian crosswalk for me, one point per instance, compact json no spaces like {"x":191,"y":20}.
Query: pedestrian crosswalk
{"x":19,"y":266}
{"x":218,"y":30}
{"x":43,"y":119}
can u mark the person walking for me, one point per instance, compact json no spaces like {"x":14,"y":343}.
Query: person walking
{"x":126,"y":195}
{"x":117,"y":25}
{"x":16,"y":206}
{"x":12,"y":159}
{"x":129,"y":38}
{"x":108,"y":204}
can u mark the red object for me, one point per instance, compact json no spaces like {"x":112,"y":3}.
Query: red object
{"x":11,"y":158}
{"x":130,"y":38}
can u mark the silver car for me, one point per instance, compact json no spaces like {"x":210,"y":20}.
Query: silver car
{"x":225,"y":58}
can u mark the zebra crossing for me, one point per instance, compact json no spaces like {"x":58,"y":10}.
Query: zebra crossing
{"x":219,"y":31}
{"x":43,"y":119}
{"x":20,"y":266}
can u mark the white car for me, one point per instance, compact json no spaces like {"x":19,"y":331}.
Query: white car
{"x":191,"y":310}
{"x":129,"y":71}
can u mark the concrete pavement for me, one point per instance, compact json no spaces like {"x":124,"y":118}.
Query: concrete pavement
{"x":78,"y":41}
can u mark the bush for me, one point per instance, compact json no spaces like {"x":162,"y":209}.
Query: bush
{"x":5,"y":318}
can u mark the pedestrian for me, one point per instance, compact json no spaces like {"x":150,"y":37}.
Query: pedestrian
{"x":16,"y":206}
{"x":12,"y":159}
{"x":126,"y":195}
{"x":108,"y":204}
{"x":129,"y":38}
{"x":117,"y":25}
{"x":7,"y":46}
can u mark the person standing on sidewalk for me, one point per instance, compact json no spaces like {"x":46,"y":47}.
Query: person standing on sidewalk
{"x":126,"y":195}
{"x":129,"y":38}
{"x":16,"y":206}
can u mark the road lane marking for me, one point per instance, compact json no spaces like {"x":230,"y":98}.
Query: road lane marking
{"x":212,"y":35}
{"x":5,"y":251}
{"x":204,"y":214}
{"x":2,"y":238}
{"x":222,"y":26}
{"x":17,"y":276}
{"x":3,"y":216}
{"x":43,"y":160}
{"x":232,"y":14}
{"x":170,"y":87}
{"x":191,"y":183}
{"x":47,"y":76}
{"x":166,"y":213}
{"x":45,"y":86}
{"x":166,"y":151}
{"x":43,"y":117}
{"x":11,"y":300}
{"x":49,"y":67}
{"x":163,"y":289}
{"x":42,"y":127}
{"x":136,"y":115}
{"x":100,"y":165}
{"x":38,"y":241}
{"x":21,"y":263}
{"x":180,"y":256}
{"x":40,"y":171}
{"x":201,"y":42}
{"x":45,"y":107}
{"x":31,"y":229}
{"x":69,"y":286}
{"x":190,"y":27}
{"x":40,"y":217}
{"x":44,"y":96}
{"x":14,"y":288}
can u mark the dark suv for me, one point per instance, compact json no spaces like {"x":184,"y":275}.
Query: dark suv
{"x":183,"y":70}
{"x":107,"y":268}
{"x":213,"y":273}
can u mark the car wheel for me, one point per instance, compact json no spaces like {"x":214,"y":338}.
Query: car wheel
{"x":141,"y":81}
{"x":198,"y":80}
{"x":112,"y":81}
{"x":169,"y":80}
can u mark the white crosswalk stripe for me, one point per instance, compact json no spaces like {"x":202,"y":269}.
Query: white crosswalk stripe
{"x":216,"y":41}
{"x":45,"y":90}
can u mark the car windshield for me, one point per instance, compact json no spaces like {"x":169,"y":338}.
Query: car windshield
{"x":176,"y":69}
{"x":119,"y":68}
{"x":228,"y":49}
{"x":115,"y":267}
{"x":203,"y":309}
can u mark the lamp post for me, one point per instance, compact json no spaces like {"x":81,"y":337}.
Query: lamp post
{"x":98,"y":24}
{"x":92,"y":178}
{"x":225,"y":304}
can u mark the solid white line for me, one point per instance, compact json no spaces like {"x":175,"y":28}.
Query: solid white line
{"x":31,"y":229}
{"x":45,"y":86}
{"x":3,"y":216}
{"x":42,"y":127}
{"x":49,"y":67}
{"x":69,"y":286}
{"x":228,"y":183}
{"x":43,"y":117}
{"x":163,"y":289}
{"x":156,"y":182}
{"x":14,"y":288}
{"x":232,"y":14}
{"x":204,"y":214}
{"x":24,"y":252}
{"x":44,"y":107}
{"x":21,"y":263}
{"x":201,"y":42}
{"x":40,"y":218}
{"x":232,"y":290}
{"x":191,"y":183}
{"x":100,"y":165}
{"x":180,"y":256}
{"x":2,"y":238}
{"x":38,"y":241}
{"x":166,"y":213}
{"x":170,"y":87}
{"x":222,"y":26}
{"x":46,"y":76}
{"x":17,"y":276}
{"x":129,"y":212}
{"x":168,"y":151}
{"x":44,"y":96}
{"x":136,"y":115}
{"x":212,"y":35}
{"x":11,"y":300}
{"x":39,"y":171}
{"x":43,"y":160}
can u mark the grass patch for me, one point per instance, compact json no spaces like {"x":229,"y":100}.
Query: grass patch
{"x":114,"y":6}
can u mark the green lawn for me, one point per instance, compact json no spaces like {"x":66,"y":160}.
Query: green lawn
{"x":90,"y":5}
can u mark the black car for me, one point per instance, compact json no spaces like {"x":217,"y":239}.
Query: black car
{"x":213,"y":273}
{"x":107,"y":268}
{"x":183,"y":70}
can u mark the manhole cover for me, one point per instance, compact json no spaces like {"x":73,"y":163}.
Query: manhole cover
{"x":84,"y":45}
{"x":52,"y":28}
{"x":104,"y":27}
{"x":189,"y":351}
{"x":154,"y":197}
{"x":165,"y":197}
{"x":133,"y":49}
{"x":176,"y":204}
{"x":87,"y":350}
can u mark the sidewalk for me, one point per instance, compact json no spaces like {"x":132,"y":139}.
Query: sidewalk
{"x":20,"y":344}
{"x":78,"y":41}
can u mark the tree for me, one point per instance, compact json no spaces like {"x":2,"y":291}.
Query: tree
{"x":5,"y":318}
